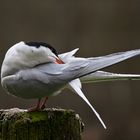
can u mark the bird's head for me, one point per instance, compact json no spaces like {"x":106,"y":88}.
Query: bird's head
{"x":29,"y":54}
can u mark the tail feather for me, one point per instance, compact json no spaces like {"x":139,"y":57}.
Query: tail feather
{"x":76,"y":87}
{"x":101,"y":76}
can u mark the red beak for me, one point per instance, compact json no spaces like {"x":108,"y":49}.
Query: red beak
{"x":59,"y":61}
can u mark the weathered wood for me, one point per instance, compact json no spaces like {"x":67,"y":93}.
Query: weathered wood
{"x":49,"y":124}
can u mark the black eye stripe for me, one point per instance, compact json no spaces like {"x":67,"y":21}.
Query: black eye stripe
{"x":38,"y":44}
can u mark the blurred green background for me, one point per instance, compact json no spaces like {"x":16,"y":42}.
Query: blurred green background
{"x":97,"y":27}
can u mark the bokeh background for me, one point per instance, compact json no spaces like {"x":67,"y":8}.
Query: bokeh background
{"x":97,"y":27}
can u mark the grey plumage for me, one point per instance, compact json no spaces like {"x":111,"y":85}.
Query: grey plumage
{"x":33,"y":75}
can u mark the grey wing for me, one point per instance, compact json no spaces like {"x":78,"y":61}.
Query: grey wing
{"x":82,"y":67}
{"x":98,"y":63}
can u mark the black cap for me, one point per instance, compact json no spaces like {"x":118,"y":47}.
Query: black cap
{"x":39,"y":44}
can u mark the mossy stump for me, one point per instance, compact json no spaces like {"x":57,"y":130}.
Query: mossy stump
{"x":49,"y":124}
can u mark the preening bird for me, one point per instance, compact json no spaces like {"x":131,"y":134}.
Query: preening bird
{"x":34,"y":70}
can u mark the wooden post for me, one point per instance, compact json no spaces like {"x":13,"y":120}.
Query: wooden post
{"x":49,"y":124}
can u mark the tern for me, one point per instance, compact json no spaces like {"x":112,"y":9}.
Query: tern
{"x":34,"y":70}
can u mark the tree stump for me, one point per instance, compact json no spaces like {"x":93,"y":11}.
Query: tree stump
{"x":49,"y":124}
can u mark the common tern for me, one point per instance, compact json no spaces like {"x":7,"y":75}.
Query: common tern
{"x":34,"y":70}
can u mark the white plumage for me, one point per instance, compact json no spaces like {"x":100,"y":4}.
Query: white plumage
{"x":34,"y":70}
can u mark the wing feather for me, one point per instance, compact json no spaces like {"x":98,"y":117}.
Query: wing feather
{"x":101,"y":76}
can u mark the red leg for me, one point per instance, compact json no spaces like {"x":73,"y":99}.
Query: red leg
{"x":43,"y":104}
{"x":36,"y":108}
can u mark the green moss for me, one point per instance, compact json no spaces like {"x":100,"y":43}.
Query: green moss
{"x":49,"y":124}
{"x":38,"y":116}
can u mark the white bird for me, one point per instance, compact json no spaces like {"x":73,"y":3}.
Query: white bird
{"x":34,"y":70}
